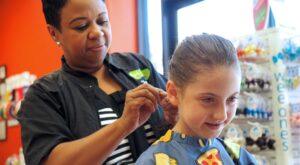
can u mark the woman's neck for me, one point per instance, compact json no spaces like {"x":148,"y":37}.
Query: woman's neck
{"x":106,"y":82}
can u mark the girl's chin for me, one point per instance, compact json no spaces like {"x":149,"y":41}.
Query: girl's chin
{"x":210,"y":135}
{"x":205,"y":136}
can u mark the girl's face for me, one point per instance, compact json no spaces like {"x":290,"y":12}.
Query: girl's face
{"x":85,"y":34}
{"x":207,"y":104}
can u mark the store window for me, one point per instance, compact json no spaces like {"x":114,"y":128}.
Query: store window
{"x":155,"y":33}
{"x":230,"y":18}
{"x":287,"y":13}
{"x":170,"y":26}
{"x":164,"y":28}
{"x":234,"y":18}
{"x":150,"y":31}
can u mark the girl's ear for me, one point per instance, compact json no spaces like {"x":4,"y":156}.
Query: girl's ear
{"x":172,"y":92}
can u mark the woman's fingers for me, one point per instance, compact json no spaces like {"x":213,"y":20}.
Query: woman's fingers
{"x":142,"y":92}
{"x":140,"y":103}
{"x":162,"y":95}
{"x":170,"y":110}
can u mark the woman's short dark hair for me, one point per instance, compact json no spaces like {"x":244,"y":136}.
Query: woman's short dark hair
{"x":200,"y":54}
{"x":52,"y":11}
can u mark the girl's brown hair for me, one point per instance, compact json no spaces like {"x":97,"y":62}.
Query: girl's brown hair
{"x":199,"y":54}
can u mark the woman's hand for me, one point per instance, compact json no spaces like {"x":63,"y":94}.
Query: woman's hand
{"x":170,"y":110}
{"x":140,"y":103}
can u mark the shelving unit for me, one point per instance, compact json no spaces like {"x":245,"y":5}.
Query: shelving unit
{"x":285,"y":134}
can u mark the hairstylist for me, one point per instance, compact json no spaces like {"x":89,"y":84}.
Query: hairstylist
{"x":99,"y":108}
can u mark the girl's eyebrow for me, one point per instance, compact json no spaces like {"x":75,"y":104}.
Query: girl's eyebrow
{"x":236,"y":93}
{"x":207,"y":94}
{"x":212,"y":94}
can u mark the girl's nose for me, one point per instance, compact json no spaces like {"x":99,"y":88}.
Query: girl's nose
{"x":221,"y":113}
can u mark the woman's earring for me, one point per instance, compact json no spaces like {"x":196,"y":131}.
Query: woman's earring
{"x":101,"y":33}
{"x":58,"y":43}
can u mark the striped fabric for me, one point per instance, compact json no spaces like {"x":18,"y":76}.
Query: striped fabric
{"x":122,"y":154}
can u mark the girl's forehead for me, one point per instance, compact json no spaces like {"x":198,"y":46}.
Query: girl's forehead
{"x":220,"y":79}
{"x":217,"y":71}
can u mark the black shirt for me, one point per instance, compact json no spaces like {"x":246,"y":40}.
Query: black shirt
{"x":63,"y":106}
{"x":123,"y":153}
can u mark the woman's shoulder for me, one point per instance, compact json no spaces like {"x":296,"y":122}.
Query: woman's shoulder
{"x":49,"y":81}
{"x":120,"y":59}
{"x":127,"y":55}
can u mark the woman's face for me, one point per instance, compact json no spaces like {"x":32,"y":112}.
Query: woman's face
{"x":209,"y":103}
{"x":85,"y":34}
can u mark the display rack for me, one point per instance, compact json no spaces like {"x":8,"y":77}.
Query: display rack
{"x":287,"y":148}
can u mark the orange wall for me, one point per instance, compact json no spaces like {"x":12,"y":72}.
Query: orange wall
{"x":26,"y":45}
{"x":123,"y":19}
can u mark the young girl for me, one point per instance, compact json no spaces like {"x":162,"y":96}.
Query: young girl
{"x":204,"y":83}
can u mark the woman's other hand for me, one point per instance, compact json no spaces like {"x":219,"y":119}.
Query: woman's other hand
{"x":170,"y":110}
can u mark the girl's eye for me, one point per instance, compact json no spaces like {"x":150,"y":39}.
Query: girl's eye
{"x":233,"y":99}
{"x":208,"y":100}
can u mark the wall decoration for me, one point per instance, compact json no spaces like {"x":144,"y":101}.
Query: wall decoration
{"x":3,"y":130}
